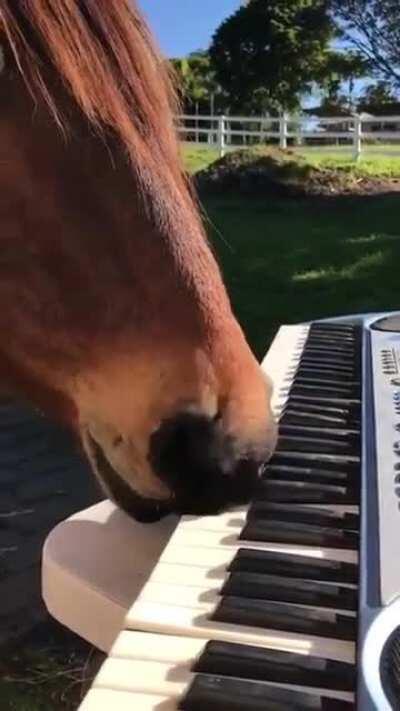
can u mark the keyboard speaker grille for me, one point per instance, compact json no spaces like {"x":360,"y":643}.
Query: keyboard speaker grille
{"x":390,"y":669}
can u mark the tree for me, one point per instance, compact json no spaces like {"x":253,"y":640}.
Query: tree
{"x":197,"y":82}
{"x":376,"y":97}
{"x":338,"y":69}
{"x":269,"y":52}
{"x":373,"y":28}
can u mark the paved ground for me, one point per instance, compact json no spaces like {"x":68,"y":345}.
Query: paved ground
{"x":43,"y":479}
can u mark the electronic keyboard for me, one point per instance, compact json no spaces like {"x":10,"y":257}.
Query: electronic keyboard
{"x":294,"y":601}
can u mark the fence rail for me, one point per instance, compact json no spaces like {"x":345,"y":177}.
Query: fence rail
{"x":356,"y":134}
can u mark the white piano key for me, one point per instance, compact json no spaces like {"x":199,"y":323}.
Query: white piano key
{"x":282,"y":359}
{"x":206,"y":578}
{"x":133,"y":674}
{"x":206,"y":597}
{"x":189,"y":542}
{"x":107,"y":699}
{"x":155,"y":647}
{"x":195,"y":622}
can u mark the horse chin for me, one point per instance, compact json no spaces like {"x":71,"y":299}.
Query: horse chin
{"x":142,"y":509}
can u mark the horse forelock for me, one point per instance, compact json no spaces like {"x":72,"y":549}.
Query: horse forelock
{"x":106,"y":58}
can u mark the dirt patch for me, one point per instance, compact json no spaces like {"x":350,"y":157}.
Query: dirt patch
{"x":271,"y":171}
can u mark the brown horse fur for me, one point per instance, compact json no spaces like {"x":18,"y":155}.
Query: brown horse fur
{"x":113,"y":312}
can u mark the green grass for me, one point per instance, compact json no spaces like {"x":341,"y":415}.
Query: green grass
{"x":197,"y":158}
{"x":49,"y":670}
{"x":372,"y":165}
{"x":285,"y":262}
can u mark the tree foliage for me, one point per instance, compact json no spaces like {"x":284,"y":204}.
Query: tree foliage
{"x":376,"y":97}
{"x":373,"y":28}
{"x":196,"y":79}
{"x":270,"y":52}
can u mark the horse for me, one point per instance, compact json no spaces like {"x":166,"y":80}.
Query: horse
{"x":114,"y":315}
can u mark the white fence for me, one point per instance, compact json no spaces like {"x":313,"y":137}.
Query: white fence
{"x":356,"y":134}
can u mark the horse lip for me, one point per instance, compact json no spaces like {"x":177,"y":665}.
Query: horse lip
{"x":144,"y":510}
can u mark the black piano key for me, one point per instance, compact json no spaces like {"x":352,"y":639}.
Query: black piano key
{"x":327,"y":375}
{"x":298,"y":592}
{"x":302,"y":395}
{"x":339,"y":461}
{"x":330,"y":346}
{"x":310,"y":474}
{"x":327,"y":356}
{"x":304,"y":493}
{"x":303,"y":514}
{"x":319,"y":392}
{"x":285,"y":617}
{"x":310,"y":363}
{"x":298,"y":416}
{"x":323,"y":408}
{"x":271,"y":665}
{"x":218,"y":693}
{"x":303,"y":534}
{"x":348,"y":464}
{"x":294,"y":566}
{"x":349,"y":389}
{"x":349,"y":435}
{"x":327,"y":445}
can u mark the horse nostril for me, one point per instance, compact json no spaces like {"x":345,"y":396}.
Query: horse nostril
{"x":192,"y":456}
{"x":185,"y":451}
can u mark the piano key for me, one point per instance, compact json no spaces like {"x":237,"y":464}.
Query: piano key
{"x":294,"y":566}
{"x":304,"y":514}
{"x":317,"y":458}
{"x":275,"y":531}
{"x":305,"y":493}
{"x":349,"y":435}
{"x":332,"y":394}
{"x":104,"y":699}
{"x":285,"y":617}
{"x":302,"y":443}
{"x":221,"y":694}
{"x":153,"y":616}
{"x":313,"y":475}
{"x":148,"y":670}
{"x":256,"y":663}
{"x":326,"y":375}
{"x":232,"y":659}
{"x":326,"y":355}
{"x":218,"y":538}
{"x":298,"y":416}
{"x":324,"y":408}
{"x":310,"y":362}
{"x":298,"y":592}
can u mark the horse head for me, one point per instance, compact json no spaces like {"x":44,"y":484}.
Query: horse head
{"x":114,"y":313}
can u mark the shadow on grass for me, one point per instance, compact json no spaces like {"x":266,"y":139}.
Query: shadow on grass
{"x":290,"y":261}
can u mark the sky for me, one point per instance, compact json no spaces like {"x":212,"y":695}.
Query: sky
{"x":182,"y":26}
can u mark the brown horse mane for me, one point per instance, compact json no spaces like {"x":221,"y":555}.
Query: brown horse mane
{"x":108,"y":62}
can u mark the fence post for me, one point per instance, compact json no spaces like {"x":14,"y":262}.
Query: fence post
{"x":283,"y":130}
{"x":357,"y":137}
{"x":221,"y":136}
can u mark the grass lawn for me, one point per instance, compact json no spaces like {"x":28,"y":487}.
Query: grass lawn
{"x":197,"y":158}
{"x":285,"y":262}
{"x":50,"y":670}
{"x":370,"y":164}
